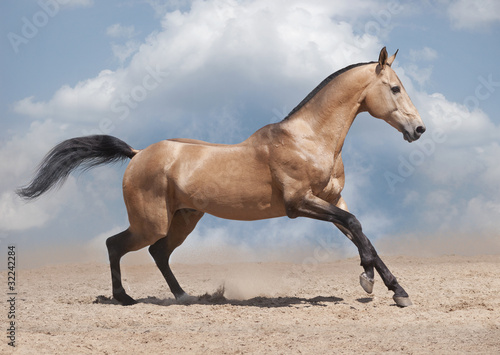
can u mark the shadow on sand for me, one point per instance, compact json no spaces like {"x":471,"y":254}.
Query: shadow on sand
{"x":218,"y":298}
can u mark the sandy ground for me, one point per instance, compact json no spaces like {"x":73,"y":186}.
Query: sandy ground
{"x":273,"y":308}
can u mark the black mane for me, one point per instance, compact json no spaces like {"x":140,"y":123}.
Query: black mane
{"x":322,"y":85}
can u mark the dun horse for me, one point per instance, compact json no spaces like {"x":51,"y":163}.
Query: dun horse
{"x":292,"y":168}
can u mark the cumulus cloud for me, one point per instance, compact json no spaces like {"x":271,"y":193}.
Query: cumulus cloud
{"x":472,"y":15}
{"x":420,"y":75}
{"x":123,"y":51}
{"x":84,"y":102}
{"x":20,"y":156}
{"x":294,"y":42}
{"x":418,"y":68}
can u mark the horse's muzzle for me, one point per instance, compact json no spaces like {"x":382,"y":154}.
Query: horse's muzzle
{"x":411,"y":137}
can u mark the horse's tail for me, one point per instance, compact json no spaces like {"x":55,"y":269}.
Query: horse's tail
{"x":85,"y":152}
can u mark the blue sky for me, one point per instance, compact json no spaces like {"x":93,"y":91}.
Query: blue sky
{"x":218,"y":70}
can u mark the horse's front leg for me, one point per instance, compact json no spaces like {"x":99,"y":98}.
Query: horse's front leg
{"x":367,"y":278}
{"x":314,"y":207}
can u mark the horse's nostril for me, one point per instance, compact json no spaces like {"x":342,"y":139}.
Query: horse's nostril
{"x":420,"y":129}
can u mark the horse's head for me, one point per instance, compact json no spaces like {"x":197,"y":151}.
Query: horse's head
{"x":386,"y":98}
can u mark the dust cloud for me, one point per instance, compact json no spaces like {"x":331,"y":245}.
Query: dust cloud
{"x":219,"y":248}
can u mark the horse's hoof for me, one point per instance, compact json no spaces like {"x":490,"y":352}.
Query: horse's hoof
{"x":186,"y":299}
{"x":366,"y":282}
{"x":402,"y":301}
{"x":125,"y":299}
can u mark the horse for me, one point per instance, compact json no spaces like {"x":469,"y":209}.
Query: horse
{"x":290,"y":168}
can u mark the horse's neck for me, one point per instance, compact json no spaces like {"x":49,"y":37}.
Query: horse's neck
{"x":331,"y":112}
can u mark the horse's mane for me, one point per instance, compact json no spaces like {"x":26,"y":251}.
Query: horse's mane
{"x":322,"y":85}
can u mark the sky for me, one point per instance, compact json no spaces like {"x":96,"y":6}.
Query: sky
{"x":218,"y":70}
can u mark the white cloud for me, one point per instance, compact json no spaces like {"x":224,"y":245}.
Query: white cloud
{"x":85,"y":101}
{"x":418,"y":74}
{"x":416,"y":68}
{"x":465,"y":14}
{"x":424,"y":54}
{"x":20,"y":155}
{"x":464,"y":127}
{"x":14,"y":215}
{"x":217,"y":41}
{"x":117,"y":30}
{"x":17,"y":215}
{"x":125,"y":51}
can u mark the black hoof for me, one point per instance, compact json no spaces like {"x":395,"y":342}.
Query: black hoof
{"x":124,"y":299}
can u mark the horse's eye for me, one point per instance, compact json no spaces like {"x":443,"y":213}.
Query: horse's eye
{"x":396,"y":89}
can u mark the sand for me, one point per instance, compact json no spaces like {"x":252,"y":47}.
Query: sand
{"x":267,"y":308}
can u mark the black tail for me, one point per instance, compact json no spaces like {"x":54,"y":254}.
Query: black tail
{"x":86,"y":152}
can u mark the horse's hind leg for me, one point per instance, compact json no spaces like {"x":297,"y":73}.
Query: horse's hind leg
{"x":183,"y":223}
{"x":118,"y":245}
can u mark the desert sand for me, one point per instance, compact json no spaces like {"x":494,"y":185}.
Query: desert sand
{"x":265,"y":308}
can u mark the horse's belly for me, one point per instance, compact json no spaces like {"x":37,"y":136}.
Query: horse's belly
{"x":235,"y":200}
{"x":245,"y":208}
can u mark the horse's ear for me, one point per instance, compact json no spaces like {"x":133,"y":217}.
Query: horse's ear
{"x":382,"y":58}
{"x":391,"y":59}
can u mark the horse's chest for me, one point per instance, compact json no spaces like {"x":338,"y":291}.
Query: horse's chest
{"x":332,"y":191}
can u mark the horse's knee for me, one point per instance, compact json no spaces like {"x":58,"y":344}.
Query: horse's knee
{"x":114,"y":249}
{"x":110,"y":242}
{"x":293,"y":206}
{"x":292,"y":213}
{"x":124,"y":242}
{"x":354,"y":225}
